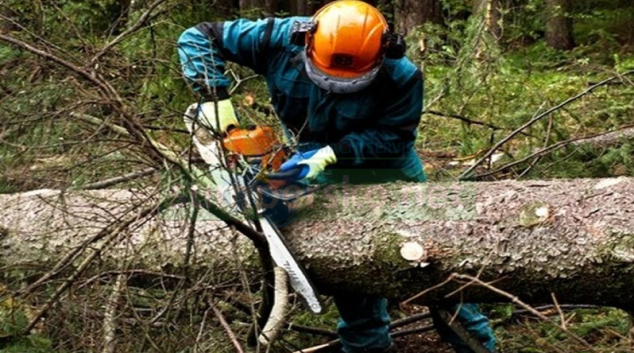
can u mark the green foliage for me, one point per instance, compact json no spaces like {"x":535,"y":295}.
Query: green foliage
{"x":13,"y":320}
{"x":46,"y":148}
{"x":464,"y":86}
{"x":470,"y":75}
{"x":523,"y":22}
{"x":587,"y":162}
{"x":603,"y":328}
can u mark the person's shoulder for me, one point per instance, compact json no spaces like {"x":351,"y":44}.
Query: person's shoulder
{"x":278,"y":24}
{"x":401,"y":70}
{"x":281,"y":29}
{"x":287,"y":22}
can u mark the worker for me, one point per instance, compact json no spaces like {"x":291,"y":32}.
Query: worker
{"x":343,"y":89}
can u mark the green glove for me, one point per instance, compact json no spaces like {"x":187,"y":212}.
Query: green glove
{"x":319,"y":161}
{"x":225,"y":119}
{"x":306,"y":164}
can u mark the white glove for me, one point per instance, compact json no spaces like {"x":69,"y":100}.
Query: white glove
{"x":226,"y":116}
{"x":201,"y":121}
{"x":209,"y":147}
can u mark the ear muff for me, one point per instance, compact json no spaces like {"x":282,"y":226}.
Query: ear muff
{"x":300,"y":30}
{"x":394,"y":45}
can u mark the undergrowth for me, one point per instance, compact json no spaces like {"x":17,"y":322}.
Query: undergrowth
{"x":471,"y":77}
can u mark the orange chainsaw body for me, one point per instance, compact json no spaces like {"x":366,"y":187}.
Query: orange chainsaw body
{"x":257,"y":142}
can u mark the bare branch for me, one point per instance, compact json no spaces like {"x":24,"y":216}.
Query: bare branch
{"x":120,"y":179}
{"x":104,"y":87}
{"x":110,"y":233}
{"x":577,"y":141}
{"x":274,"y":324}
{"x":228,"y":330}
{"x":110,"y":315}
{"x":202,"y":329}
{"x":467,"y":173}
{"x":71,"y":256}
{"x":409,"y":320}
{"x":463,"y":119}
{"x":516,"y":300}
{"x":140,"y":23}
{"x":559,"y":311}
{"x":195,"y":174}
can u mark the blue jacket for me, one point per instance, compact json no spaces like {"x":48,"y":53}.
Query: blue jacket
{"x":372,"y":129}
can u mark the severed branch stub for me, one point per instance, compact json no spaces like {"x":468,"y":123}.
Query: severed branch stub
{"x":414,"y":253}
{"x":279,"y":311}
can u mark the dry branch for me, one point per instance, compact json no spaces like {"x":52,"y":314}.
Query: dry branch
{"x":225,"y":325}
{"x":118,"y":180}
{"x":608,"y":139}
{"x":601,"y":140}
{"x":274,"y":324}
{"x":103,"y":86}
{"x":110,"y":315}
{"x":138,"y":25}
{"x":467,"y":173}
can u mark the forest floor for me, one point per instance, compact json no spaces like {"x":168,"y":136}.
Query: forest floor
{"x":421,"y":343}
{"x":428,"y":341}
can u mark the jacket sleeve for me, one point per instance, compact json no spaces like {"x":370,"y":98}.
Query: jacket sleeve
{"x":203,"y":50}
{"x":396,"y":129}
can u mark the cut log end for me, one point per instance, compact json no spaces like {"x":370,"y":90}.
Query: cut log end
{"x":535,"y":213}
{"x":414,"y":253}
{"x":606,"y":183}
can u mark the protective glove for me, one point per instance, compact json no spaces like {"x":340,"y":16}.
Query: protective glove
{"x":200,"y":119}
{"x":311,"y":163}
{"x":226,"y":116}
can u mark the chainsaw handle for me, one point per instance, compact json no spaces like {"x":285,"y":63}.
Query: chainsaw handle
{"x":290,"y":174}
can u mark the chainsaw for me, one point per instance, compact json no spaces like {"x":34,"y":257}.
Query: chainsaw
{"x":254,"y":154}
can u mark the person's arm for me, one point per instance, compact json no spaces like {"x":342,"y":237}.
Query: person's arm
{"x":395,"y":132}
{"x":203,"y":50}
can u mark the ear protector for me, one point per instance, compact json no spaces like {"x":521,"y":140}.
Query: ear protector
{"x":393,"y":44}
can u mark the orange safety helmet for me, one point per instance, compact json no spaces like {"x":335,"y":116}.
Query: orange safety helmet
{"x":345,"y":47}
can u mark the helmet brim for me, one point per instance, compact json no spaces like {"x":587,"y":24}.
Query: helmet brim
{"x":335,"y":84}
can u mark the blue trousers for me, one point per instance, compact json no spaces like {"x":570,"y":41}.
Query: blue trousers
{"x":364,"y":324}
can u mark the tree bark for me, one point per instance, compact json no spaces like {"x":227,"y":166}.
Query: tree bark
{"x":306,"y":8}
{"x":609,"y":139}
{"x":412,"y":13}
{"x":572,"y":238}
{"x":247,"y":5}
{"x":559,"y":24}
{"x":223,"y":8}
{"x":302,"y":8}
{"x":270,"y":7}
{"x":490,"y":10}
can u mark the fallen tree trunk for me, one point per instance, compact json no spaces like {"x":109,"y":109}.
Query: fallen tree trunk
{"x":572,"y":238}
{"x":608,"y":139}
